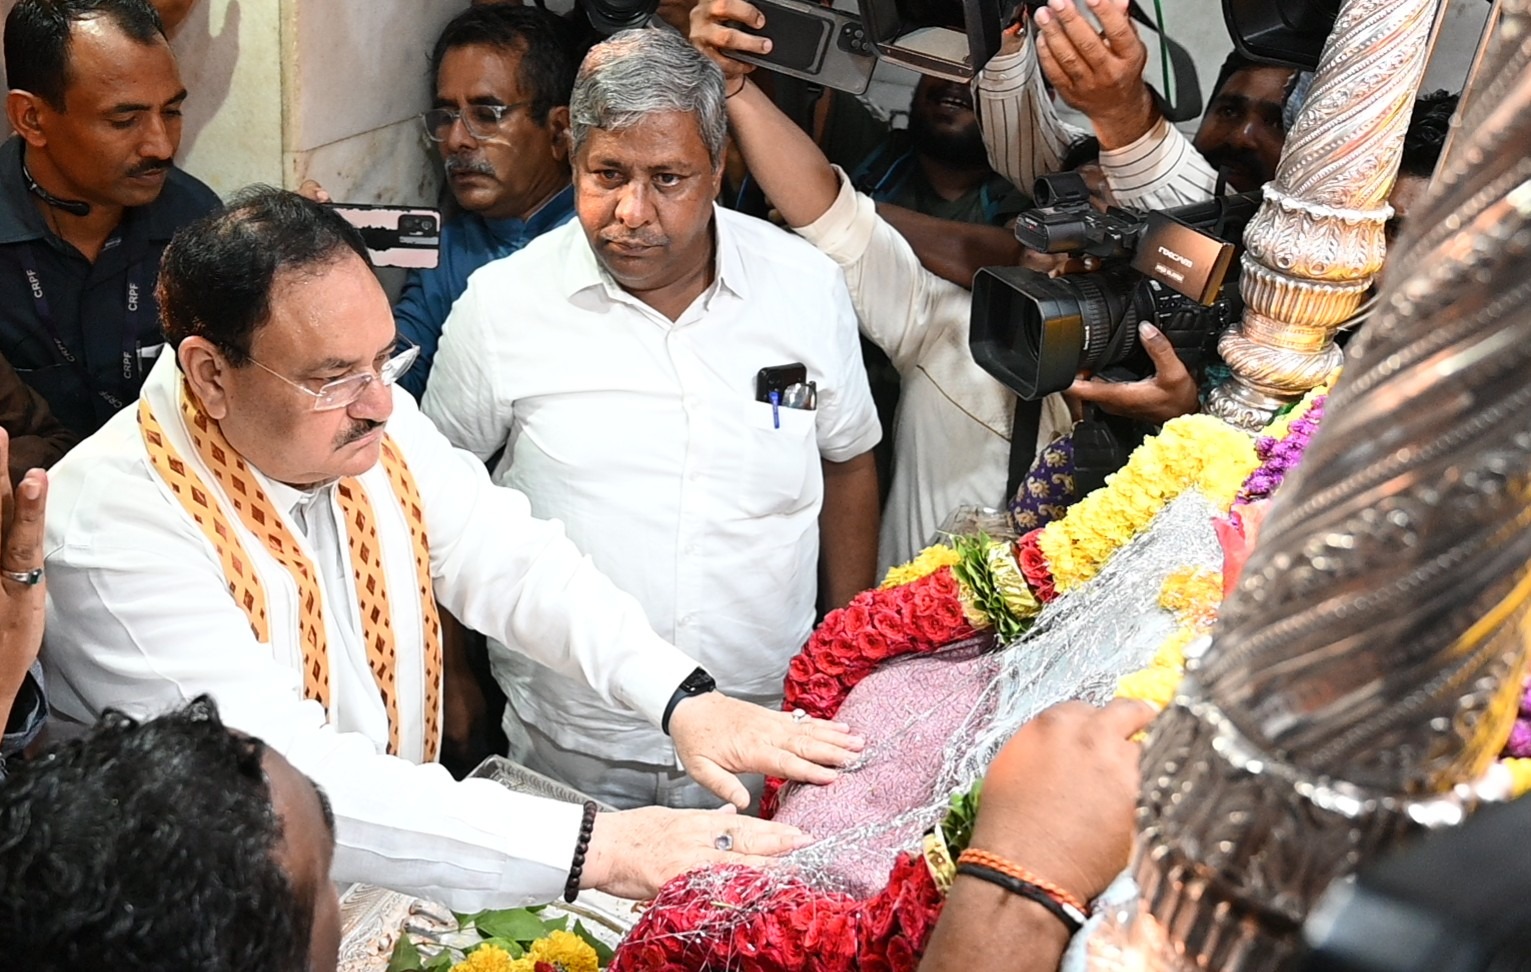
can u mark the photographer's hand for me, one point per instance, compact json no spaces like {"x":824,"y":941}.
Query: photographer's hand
{"x":712,"y":35}
{"x":1100,"y":74}
{"x":1170,"y":393}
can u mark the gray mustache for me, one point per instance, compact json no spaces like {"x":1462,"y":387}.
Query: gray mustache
{"x":459,"y":163}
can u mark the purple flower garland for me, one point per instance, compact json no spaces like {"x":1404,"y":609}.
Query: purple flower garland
{"x":1520,"y":737}
{"x":1280,"y":456}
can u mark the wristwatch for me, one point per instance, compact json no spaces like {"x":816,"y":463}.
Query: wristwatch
{"x":697,"y":683}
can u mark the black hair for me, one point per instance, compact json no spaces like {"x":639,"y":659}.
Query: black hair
{"x":1236,"y":62}
{"x":148,"y":846}
{"x":216,"y":276}
{"x":547,"y":44}
{"x":1427,"y":131}
{"x":38,"y":33}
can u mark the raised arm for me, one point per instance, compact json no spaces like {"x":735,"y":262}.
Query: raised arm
{"x":791,"y":170}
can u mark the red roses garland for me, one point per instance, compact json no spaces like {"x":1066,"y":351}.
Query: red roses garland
{"x":853,"y":641}
{"x":875,"y":626}
{"x":787,"y":926}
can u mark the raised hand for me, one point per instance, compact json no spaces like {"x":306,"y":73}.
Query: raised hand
{"x":1099,"y":74}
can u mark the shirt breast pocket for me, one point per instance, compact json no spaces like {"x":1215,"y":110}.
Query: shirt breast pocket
{"x":780,"y":452}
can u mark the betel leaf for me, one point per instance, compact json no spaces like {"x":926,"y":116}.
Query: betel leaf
{"x":549,"y":925}
{"x":440,"y":962}
{"x":405,"y":957}
{"x":514,"y":924}
{"x":603,"y":952}
{"x":514,"y":949}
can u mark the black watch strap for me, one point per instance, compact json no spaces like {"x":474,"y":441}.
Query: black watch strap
{"x":697,"y":683}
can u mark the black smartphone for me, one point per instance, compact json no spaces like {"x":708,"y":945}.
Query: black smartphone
{"x":814,"y":42}
{"x":777,"y":379}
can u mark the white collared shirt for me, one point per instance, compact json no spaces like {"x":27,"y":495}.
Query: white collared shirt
{"x":140,"y":619}
{"x":951,"y":443}
{"x":644,"y":437}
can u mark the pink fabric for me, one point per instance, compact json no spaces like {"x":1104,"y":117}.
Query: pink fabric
{"x":909,"y":710}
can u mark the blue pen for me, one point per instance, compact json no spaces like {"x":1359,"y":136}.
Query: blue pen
{"x":775,"y":409}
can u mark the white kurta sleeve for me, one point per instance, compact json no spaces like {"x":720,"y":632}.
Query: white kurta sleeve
{"x":140,"y":620}
{"x":895,"y":297}
{"x":519,"y":579}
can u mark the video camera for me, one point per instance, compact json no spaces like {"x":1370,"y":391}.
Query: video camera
{"x":1171,"y":268}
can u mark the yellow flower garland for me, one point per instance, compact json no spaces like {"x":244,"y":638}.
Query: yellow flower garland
{"x":1192,"y":595}
{"x":929,"y":560}
{"x":1191,"y":451}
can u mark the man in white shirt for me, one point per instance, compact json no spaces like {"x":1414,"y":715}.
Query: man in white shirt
{"x":1147,"y":162}
{"x":273,"y":524}
{"x":954,"y":421}
{"x":615,"y":361}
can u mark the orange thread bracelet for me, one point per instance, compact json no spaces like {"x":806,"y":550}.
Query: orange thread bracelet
{"x":996,"y":863}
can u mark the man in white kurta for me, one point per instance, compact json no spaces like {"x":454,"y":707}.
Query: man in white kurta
{"x":165,"y":544}
{"x":642,"y":431}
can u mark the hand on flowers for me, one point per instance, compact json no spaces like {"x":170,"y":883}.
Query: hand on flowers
{"x":1059,"y":797}
{"x":713,"y":35}
{"x":21,"y":549}
{"x":1099,"y":74}
{"x":634,"y":852}
{"x":716,"y":737}
{"x":1170,"y":393}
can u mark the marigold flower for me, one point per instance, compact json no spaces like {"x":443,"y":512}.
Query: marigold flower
{"x":488,"y":958}
{"x":565,"y":951}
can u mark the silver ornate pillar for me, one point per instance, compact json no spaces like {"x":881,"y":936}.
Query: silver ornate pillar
{"x":1368,"y":665}
{"x":1316,"y":244}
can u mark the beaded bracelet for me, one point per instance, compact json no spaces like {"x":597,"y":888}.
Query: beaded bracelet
{"x":581,"y":847}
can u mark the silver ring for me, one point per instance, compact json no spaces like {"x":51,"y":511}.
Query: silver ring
{"x":798,"y":715}
{"x":30,"y":578}
{"x":724,"y":842}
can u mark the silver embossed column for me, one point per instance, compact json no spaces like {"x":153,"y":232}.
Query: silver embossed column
{"x":1316,"y":244}
{"x":1367,"y":668}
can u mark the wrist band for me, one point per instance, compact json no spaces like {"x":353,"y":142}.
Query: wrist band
{"x":1017,"y":880}
{"x":581,"y":847}
{"x":1073,"y":919}
{"x":742,"y":82}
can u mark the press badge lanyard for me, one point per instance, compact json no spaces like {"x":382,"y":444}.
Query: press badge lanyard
{"x":132,"y":320}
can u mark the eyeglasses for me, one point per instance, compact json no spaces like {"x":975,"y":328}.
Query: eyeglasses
{"x":344,"y":391}
{"x":481,"y":121}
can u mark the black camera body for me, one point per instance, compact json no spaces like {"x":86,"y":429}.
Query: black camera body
{"x":1065,"y":221}
{"x":1171,"y":269}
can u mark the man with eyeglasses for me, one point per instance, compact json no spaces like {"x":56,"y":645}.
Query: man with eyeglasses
{"x":499,"y":119}
{"x":272,"y":524}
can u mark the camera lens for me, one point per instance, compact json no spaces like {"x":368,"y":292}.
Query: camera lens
{"x":1035,"y":332}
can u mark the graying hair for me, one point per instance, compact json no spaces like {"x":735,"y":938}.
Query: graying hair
{"x":640,"y":72}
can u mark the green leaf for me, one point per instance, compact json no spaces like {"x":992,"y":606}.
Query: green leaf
{"x":514,"y":948}
{"x":405,"y":957}
{"x":440,"y":962}
{"x":957,"y":826}
{"x":561,"y":923}
{"x":603,"y":952}
{"x":515,"y":924}
{"x":464,"y":919}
